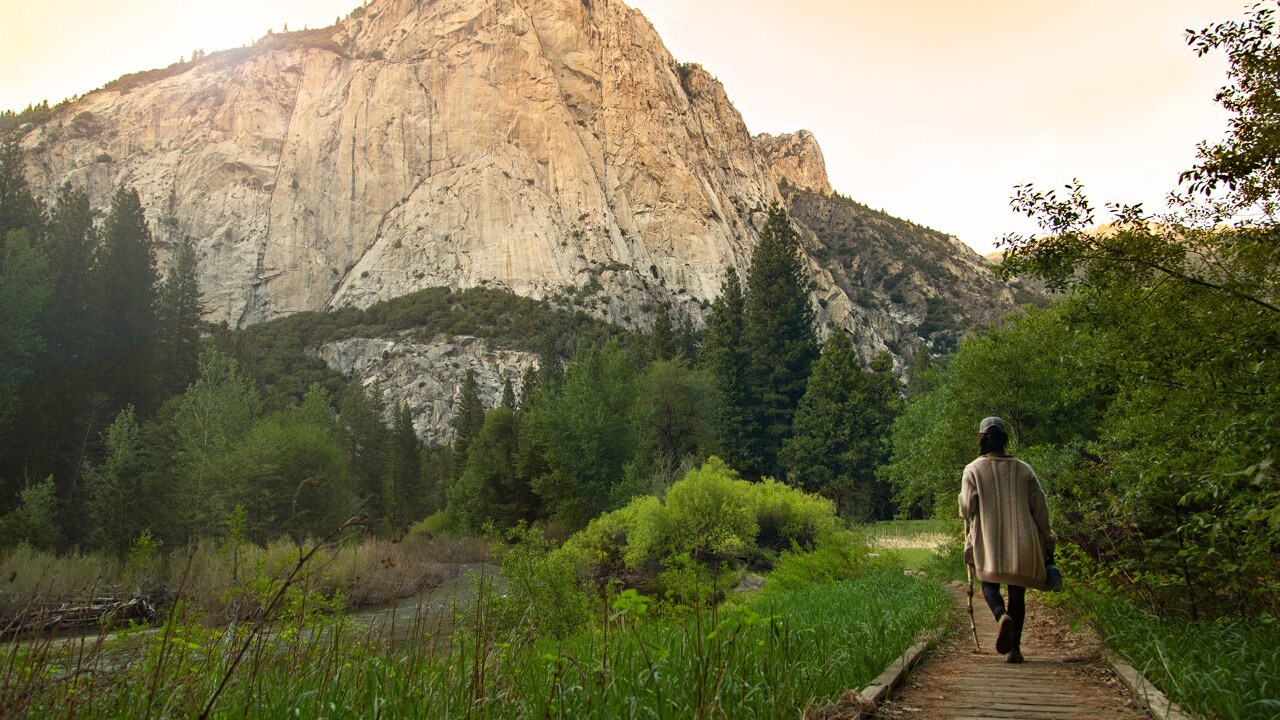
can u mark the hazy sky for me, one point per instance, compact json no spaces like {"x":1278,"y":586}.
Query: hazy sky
{"x":930,"y":109}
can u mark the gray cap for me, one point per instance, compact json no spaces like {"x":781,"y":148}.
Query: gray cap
{"x":993,"y":422}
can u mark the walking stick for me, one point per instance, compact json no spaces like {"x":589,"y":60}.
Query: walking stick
{"x":968,"y":568}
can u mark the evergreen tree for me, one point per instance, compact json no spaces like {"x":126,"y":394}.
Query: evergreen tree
{"x":113,"y":489}
{"x":591,"y":422}
{"x":19,"y":209}
{"x":550,"y":370}
{"x":687,"y":341}
{"x":403,"y":495}
{"x":838,"y":437}
{"x":23,"y":290}
{"x":662,"y":343}
{"x":126,"y":280}
{"x":508,"y":395}
{"x":364,"y":439}
{"x":779,"y":331}
{"x":528,"y":390}
{"x":490,"y":488}
{"x":468,"y":418}
{"x":178,"y":341}
{"x":725,"y":358}
{"x":70,"y":319}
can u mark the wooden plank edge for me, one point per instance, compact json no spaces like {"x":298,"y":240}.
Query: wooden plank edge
{"x":1149,"y":695}
{"x":874,"y":693}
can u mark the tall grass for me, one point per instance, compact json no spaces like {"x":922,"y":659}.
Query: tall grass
{"x":1227,"y":668}
{"x":768,"y":657}
{"x":218,"y":577}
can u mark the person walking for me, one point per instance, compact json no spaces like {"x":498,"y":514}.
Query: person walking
{"x":1009,"y":541}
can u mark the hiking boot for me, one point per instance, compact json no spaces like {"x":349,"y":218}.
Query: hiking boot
{"x":1015,"y":657}
{"x":1054,"y":578}
{"x":1004,"y":635}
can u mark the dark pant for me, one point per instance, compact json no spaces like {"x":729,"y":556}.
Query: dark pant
{"x":1017,"y":606}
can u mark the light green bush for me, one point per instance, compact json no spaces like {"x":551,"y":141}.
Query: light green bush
{"x":836,"y":555}
{"x":788,"y":517}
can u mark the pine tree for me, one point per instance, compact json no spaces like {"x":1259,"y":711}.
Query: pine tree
{"x":403,"y":495}
{"x":528,"y":390}
{"x":662,"y":343}
{"x":687,"y":341}
{"x":177,"y":345}
{"x":125,"y":270}
{"x":725,"y":359}
{"x":508,"y":395}
{"x":779,"y":331}
{"x":468,"y":418}
{"x":71,"y":329}
{"x":825,"y":452}
{"x":364,"y":440}
{"x":18,"y":207}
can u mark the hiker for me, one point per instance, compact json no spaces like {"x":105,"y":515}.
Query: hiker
{"x":1009,"y":541}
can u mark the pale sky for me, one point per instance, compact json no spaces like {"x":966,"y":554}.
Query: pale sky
{"x":929,"y":109}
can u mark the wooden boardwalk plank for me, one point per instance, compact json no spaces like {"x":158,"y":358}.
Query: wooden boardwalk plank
{"x":1064,"y":677}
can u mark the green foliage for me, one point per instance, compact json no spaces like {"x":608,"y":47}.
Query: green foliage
{"x":709,"y":513}
{"x":23,"y":291}
{"x":787,"y":518}
{"x":1221,"y":668}
{"x":33,"y":521}
{"x":1174,"y":486}
{"x":838,"y":439}
{"x":1035,"y":371}
{"x":541,"y":595}
{"x":114,"y":494}
{"x":711,"y":516}
{"x":778,"y":329}
{"x":835,"y":556}
{"x":775,"y":657}
{"x":404,"y":493}
{"x":210,"y":419}
{"x":673,"y":412}
{"x":290,"y":474}
{"x":590,"y":424}
{"x":468,"y":416}
{"x":490,"y":489}
{"x":724,"y":356}
{"x":662,"y":341}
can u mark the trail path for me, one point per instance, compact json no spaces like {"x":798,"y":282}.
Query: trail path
{"x":1064,"y":677}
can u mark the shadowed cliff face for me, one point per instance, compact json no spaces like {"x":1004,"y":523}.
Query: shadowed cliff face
{"x":553,"y":147}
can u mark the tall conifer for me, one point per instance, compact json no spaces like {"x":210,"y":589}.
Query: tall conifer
{"x":724,"y":357}
{"x":779,"y":332}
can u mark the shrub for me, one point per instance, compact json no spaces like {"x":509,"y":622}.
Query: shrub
{"x":711,"y":516}
{"x":836,"y":555}
{"x":788,"y":517}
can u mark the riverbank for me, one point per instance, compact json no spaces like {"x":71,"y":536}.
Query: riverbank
{"x":223,"y":583}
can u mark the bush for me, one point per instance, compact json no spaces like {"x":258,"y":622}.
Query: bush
{"x":836,"y":555}
{"x":787,"y":517}
{"x":541,"y":594}
{"x":711,"y":516}
{"x":434,"y":524}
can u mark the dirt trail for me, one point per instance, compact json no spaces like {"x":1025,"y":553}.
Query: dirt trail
{"x":1064,"y":677}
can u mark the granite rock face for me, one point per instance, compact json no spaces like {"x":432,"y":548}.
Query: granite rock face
{"x":555,"y":148}
{"x":426,"y":376}
{"x":538,"y":146}
{"x":795,"y":158}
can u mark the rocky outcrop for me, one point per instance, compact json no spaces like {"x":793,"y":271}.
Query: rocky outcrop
{"x":538,"y":146}
{"x":427,"y":376}
{"x":796,"y":159}
{"x":555,"y":148}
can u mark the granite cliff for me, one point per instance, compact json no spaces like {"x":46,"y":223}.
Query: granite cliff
{"x":554,"y":148}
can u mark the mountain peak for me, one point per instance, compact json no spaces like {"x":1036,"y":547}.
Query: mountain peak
{"x":796,"y":158}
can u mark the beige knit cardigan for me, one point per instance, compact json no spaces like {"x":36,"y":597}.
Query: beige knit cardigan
{"x":1009,"y":535}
